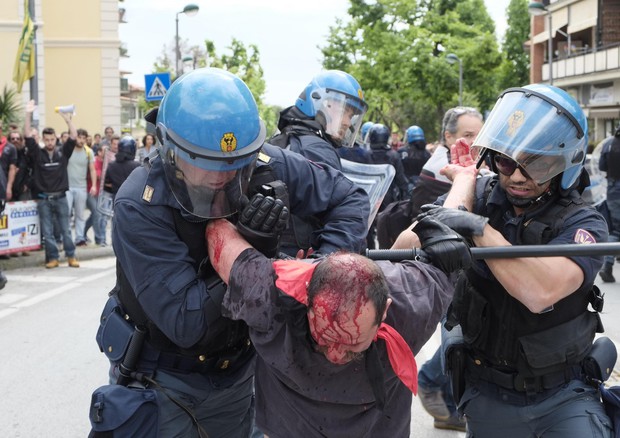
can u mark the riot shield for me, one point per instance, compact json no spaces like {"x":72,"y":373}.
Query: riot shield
{"x":375,"y":179}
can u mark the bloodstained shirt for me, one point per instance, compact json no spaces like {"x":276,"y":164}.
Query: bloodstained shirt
{"x":298,"y":391}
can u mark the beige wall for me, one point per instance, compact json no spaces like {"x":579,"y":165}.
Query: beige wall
{"x":68,"y":84}
{"x":77,"y":56}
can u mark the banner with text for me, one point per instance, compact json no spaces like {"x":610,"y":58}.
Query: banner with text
{"x":19,"y":227}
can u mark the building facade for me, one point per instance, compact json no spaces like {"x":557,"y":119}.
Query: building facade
{"x":585,"y":57}
{"x":77,"y":59}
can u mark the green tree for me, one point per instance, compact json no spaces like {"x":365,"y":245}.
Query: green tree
{"x":10,"y":109}
{"x":396,"y":49}
{"x":240,"y":60}
{"x":515,"y":67}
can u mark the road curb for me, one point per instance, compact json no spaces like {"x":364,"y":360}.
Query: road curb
{"x":37,"y":258}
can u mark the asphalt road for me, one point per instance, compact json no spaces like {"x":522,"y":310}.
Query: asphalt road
{"x":50,"y":363}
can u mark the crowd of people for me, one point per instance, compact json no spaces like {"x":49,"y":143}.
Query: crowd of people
{"x":65,"y":174}
{"x":244,"y":306}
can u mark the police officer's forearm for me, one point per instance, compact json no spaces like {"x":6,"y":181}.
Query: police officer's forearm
{"x":537,"y":282}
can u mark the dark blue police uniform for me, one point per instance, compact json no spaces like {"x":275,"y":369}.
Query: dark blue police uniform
{"x":158,"y":265}
{"x":522,"y":365}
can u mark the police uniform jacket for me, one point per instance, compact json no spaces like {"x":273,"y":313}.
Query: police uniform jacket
{"x":157,"y":262}
{"x":299,"y":392}
{"x":500,"y":330}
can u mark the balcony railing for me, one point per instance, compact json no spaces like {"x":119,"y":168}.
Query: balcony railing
{"x":602,"y":60}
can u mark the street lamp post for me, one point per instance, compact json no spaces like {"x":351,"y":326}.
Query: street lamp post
{"x":536,"y":9}
{"x":452,"y":58}
{"x":190,"y":10}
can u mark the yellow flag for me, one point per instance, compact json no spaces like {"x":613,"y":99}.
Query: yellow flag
{"x":24,"y":62}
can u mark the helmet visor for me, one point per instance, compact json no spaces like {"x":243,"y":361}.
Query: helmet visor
{"x":538,"y":136}
{"x":208,"y":186}
{"x":341,"y":115}
{"x":206,"y":193}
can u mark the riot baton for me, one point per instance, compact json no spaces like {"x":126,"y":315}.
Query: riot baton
{"x":128,"y":366}
{"x":505,"y":252}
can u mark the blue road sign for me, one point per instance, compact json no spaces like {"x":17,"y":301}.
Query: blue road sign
{"x":156,"y":85}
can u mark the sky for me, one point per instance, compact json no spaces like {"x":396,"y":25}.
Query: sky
{"x":287,"y":33}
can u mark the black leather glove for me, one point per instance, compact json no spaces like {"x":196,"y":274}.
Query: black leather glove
{"x":465,"y":223}
{"x":446,"y":249}
{"x":261,"y":223}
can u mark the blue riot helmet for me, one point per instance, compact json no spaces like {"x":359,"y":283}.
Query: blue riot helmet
{"x":335,"y":100}
{"x":126,"y":148}
{"x":379,"y":136}
{"x":364,"y":131}
{"x":414,"y":133}
{"x":211,"y":133}
{"x":542,"y":128}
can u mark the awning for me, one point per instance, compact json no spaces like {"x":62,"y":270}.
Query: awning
{"x":541,"y":37}
{"x":582,"y":15}
{"x":559,"y":19}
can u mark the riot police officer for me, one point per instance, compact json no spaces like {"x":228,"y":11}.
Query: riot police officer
{"x":326,"y":116}
{"x":526,"y":323}
{"x":414,"y":154}
{"x":197,"y":364}
{"x":382,"y":153}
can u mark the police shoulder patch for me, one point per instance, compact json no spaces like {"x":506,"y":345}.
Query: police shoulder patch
{"x":147,"y":194}
{"x":263,"y":157}
{"x":583,"y":236}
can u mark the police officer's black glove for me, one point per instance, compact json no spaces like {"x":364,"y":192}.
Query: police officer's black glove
{"x":261,"y":223}
{"x":447,"y":249}
{"x":460,"y":220}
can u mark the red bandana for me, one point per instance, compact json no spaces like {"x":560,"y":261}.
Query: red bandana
{"x":293,"y":278}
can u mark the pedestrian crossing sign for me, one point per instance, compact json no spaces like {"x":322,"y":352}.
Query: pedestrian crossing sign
{"x":156,"y":85}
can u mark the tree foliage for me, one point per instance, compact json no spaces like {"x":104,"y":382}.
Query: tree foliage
{"x":240,"y":60}
{"x":397,"y":48}
{"x":515,"y":67}
{"x":10,"y":108}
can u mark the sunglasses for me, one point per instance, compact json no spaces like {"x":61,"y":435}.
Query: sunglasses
{"x":15,"y":138}
{"x":507,"y":166}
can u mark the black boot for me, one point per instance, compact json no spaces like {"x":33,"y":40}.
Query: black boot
{"x":606,"y":273}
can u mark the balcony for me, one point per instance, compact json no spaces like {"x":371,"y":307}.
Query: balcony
{"x":603,"y":60}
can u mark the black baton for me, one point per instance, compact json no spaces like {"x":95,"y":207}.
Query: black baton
{"x":505,"y":252}
{"x":128,"y":365}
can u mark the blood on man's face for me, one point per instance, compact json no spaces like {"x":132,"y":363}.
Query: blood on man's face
{"x":342,"y":336}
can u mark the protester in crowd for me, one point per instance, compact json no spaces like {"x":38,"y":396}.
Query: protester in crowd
{"x":94,"y":220}
{"x":107,"y":139}
{"x":50,"y":185}
{"x":64,"y":135}
{"x":103,"y":205}
{"x":22,"y":181}
{"x":148,"y":144}
{"x":8,"y":162}
{"x":80,"y":169}
{"x":96,"y":140}
{"x":3,"y":181}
